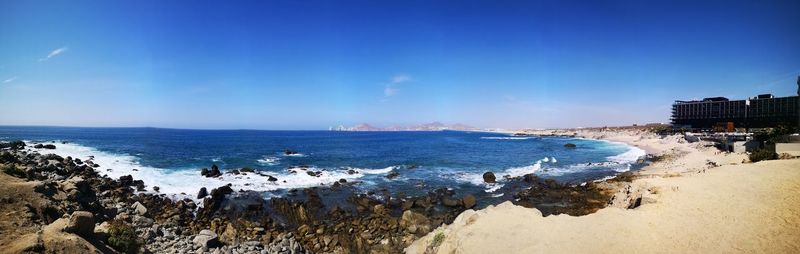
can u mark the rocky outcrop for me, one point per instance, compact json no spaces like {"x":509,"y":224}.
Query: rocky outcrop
{"x":489,"y":177}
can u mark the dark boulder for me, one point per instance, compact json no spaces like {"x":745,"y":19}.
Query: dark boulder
{"x":49,"y":146}
{"x":271,"y":178}
{"x":392,"y":175}
{"x":289,"y":152}
{"x":202,"y":193}
{"x":126,"y":180}
{"x":214,"y":172}
{"x":570,"y":145}
{"x":204,"y":172}
{"x":489,"y":177}
{"x":530,"y":178}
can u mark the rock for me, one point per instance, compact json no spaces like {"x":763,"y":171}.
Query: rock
{"x":415,"y":223}
{"x":489,"y":177}
{"x":289,"y":152}
{"x":469,"y":201}
{"x":126,"y":180}
{"x":229,"y":235}
{"x":156,"y":188}
{"x":271,"y":178}
{"x":450,"y":202}
{"x":206,"y":239}
{"x":81,"y":223}
{"x":530,"y":178}
{"x":392,"y":175}
{"x":202,"y":193}
{"x":570,"y":145}
{"x":204,"y":172}
{"x":139,"y":209}
{"x":214,"y":172}
{"x":101,"y":231}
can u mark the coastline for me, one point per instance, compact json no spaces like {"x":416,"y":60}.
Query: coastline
{"x":693,"y":200}
{"x":60,"y":191}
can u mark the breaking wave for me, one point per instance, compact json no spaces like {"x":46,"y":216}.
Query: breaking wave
{"x":173,"y":182}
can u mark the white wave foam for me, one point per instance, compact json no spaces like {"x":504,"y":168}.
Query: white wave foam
{"x":370,"y":171}
{"x":184,"y":183}
{"x":294,"y":155}
{"x":269,"y":161}
{"x":553,"y":160}
{"x":493,"y":187}
{"x":630,"y":156}
{"x":507,"y":138}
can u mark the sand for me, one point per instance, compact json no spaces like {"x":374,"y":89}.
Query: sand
{"x":688,"y":206}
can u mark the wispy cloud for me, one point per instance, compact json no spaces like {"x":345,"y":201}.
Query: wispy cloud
{"x":389,"y":91}
{"x":54,"y":53}
{"x":391,"y":88}
{"x":9,"y":80}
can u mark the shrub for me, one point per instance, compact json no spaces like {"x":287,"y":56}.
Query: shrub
{"x":122,"y":237}
{"x":762,"y":154}
{"x":437,"y":239}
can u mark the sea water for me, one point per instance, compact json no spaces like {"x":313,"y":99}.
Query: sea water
{"x":172,"y":158}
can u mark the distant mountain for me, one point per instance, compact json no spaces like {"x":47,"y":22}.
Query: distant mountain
{"x":434,"y":126}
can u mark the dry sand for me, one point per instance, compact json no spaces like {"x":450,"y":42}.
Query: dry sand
{"x":688,"y":206}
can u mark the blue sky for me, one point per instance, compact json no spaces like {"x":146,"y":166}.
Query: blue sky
{"x":314,"y":64}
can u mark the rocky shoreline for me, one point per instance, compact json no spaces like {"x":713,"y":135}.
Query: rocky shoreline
{"x":113,"y":215}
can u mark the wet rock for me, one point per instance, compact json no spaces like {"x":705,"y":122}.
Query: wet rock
{"x":469,"y":201}
{"x":289,"y":152}
{"x":489,"y":177}
{"x":204,"y":172}
{"x":126,"y":180}
{"x":202,"y":193}
{"x":392,"y":175}
{"x":211,"y":205}
{"x":451,"y":202}
{"x":570,"y":145}
{"x":81,"y":223}
{"x":271,"y":178}
{"x":214,"y":172}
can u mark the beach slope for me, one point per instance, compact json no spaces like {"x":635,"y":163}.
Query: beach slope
{"x":743,"y":208}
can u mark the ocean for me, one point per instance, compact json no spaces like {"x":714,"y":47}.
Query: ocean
{"x":422,"y":161}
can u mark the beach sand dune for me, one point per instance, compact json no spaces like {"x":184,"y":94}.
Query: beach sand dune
{"x":744,"y":208}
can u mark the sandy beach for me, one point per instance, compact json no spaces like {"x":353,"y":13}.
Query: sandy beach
{"x":694,"y":200}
